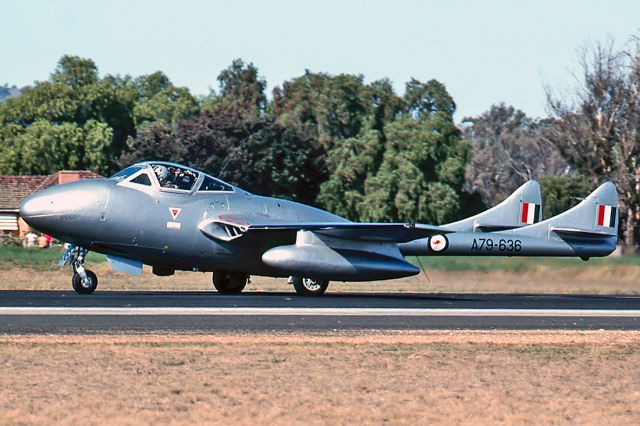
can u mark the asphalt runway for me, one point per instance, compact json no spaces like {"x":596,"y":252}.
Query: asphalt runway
{"x":156,"y":311}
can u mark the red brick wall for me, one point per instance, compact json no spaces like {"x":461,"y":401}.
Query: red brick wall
{"x":64,"y":177}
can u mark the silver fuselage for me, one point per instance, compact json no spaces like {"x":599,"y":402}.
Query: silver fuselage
{"x":105,"y":217}
{"x":213,"y":226}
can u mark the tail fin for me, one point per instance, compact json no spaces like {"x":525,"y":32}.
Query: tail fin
{"x":523,"y":207}
{"x":595,"y":217}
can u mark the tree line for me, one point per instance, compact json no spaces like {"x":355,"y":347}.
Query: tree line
{"x":357,"y":149}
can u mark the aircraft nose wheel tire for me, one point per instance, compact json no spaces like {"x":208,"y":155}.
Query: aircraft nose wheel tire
{"x":87,"y":286}
{"x":310,"y":286}
{"x":229,"y":282}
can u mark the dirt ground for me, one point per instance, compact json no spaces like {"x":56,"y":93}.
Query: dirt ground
{"x":620,"y":279}
{"x":340,"y":378}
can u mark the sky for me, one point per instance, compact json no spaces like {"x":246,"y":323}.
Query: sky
{"x":485,"y":52}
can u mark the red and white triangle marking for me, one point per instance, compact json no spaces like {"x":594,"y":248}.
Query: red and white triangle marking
{"x":175,"y":212}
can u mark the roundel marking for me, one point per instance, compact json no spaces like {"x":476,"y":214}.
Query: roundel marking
{"x":438,"y":243}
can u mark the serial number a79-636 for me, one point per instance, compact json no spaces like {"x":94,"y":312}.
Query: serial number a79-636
{"x":503,"y":244}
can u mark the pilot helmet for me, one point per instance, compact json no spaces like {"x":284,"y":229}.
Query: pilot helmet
{"x":162,"y":172}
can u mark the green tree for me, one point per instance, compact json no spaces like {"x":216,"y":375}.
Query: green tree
{"x":341,"y":118}
{"x":325,"y":109}
{"x":385,"y":104}
{"x":350,"y":164}
{"x":426,"y":99}
{"x":560,"y":193}
{"x":103,"y":112}
{"x":241,"y":84}
{"x":97,"y":147}
{"x":46,"y":147}
{"x":75,"y":72}
{"x":421,"y":174}
{"x":255,"y":153}
{"x":159,"y":101}
{"x":10,"y":150}
{"x":157,"y":141}
{"x":405,"y":164}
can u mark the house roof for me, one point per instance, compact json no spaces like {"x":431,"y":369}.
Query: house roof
{"x":14,"y":189}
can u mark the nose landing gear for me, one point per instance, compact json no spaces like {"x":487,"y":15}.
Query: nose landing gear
{"x":85,"y":285}
{"x":83,"y":280}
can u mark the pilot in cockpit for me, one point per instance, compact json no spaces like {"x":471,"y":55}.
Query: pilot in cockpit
{"x":175,"y":177}
{"x":164,"y":177}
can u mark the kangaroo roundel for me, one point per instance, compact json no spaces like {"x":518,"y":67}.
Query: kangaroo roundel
{"x":438,"y":243}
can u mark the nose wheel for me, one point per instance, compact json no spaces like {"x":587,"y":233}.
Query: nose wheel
{"x":83,"y":280}
{"x":84,"y":285}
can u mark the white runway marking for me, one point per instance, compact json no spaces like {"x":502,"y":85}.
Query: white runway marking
{"x":378,"y":312}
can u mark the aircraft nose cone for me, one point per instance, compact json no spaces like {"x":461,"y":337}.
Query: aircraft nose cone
{"x":34,"y":205}
{"x":57,"y":209}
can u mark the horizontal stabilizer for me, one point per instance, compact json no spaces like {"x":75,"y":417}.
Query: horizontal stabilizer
{"x":579,"y":233}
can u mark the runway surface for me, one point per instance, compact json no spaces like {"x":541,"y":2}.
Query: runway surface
{"x":146,"y":311}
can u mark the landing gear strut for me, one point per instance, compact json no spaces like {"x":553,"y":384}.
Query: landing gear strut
{"x":229,"y":282}
{"x":309,"y":286}
{"x":83,"y":281}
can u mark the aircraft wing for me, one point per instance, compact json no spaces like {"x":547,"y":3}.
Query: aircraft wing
{"x":378,"y":232}
{"x":229,"y":227}
{"x":347,"y":251}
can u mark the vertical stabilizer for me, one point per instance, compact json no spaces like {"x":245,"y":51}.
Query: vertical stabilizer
{"x":522,"y":208}
{"x":596,"y":215}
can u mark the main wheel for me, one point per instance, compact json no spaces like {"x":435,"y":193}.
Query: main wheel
{"x":309,"y":286}
{"x":229,"y":282}
{"x":87,"y":286}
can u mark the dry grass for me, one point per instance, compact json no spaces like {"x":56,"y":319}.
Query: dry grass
{"x":621,"y":279}
{"x":339,"y":378}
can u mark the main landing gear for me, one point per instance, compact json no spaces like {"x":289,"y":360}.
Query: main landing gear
{"x":309,"y":286}
{"x":83,"y":281}
{"x":229,"y":282}
{"x":234,"y":283}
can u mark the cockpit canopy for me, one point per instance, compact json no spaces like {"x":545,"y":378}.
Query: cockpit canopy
{"x":170,"y":177}
{"x":175,"y":177}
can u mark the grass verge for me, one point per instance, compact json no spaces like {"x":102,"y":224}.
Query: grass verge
{"x":46,"y":258}
{"x":38,"y":258}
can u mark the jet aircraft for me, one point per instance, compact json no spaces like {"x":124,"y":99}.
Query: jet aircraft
{"x":174,"y":217}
